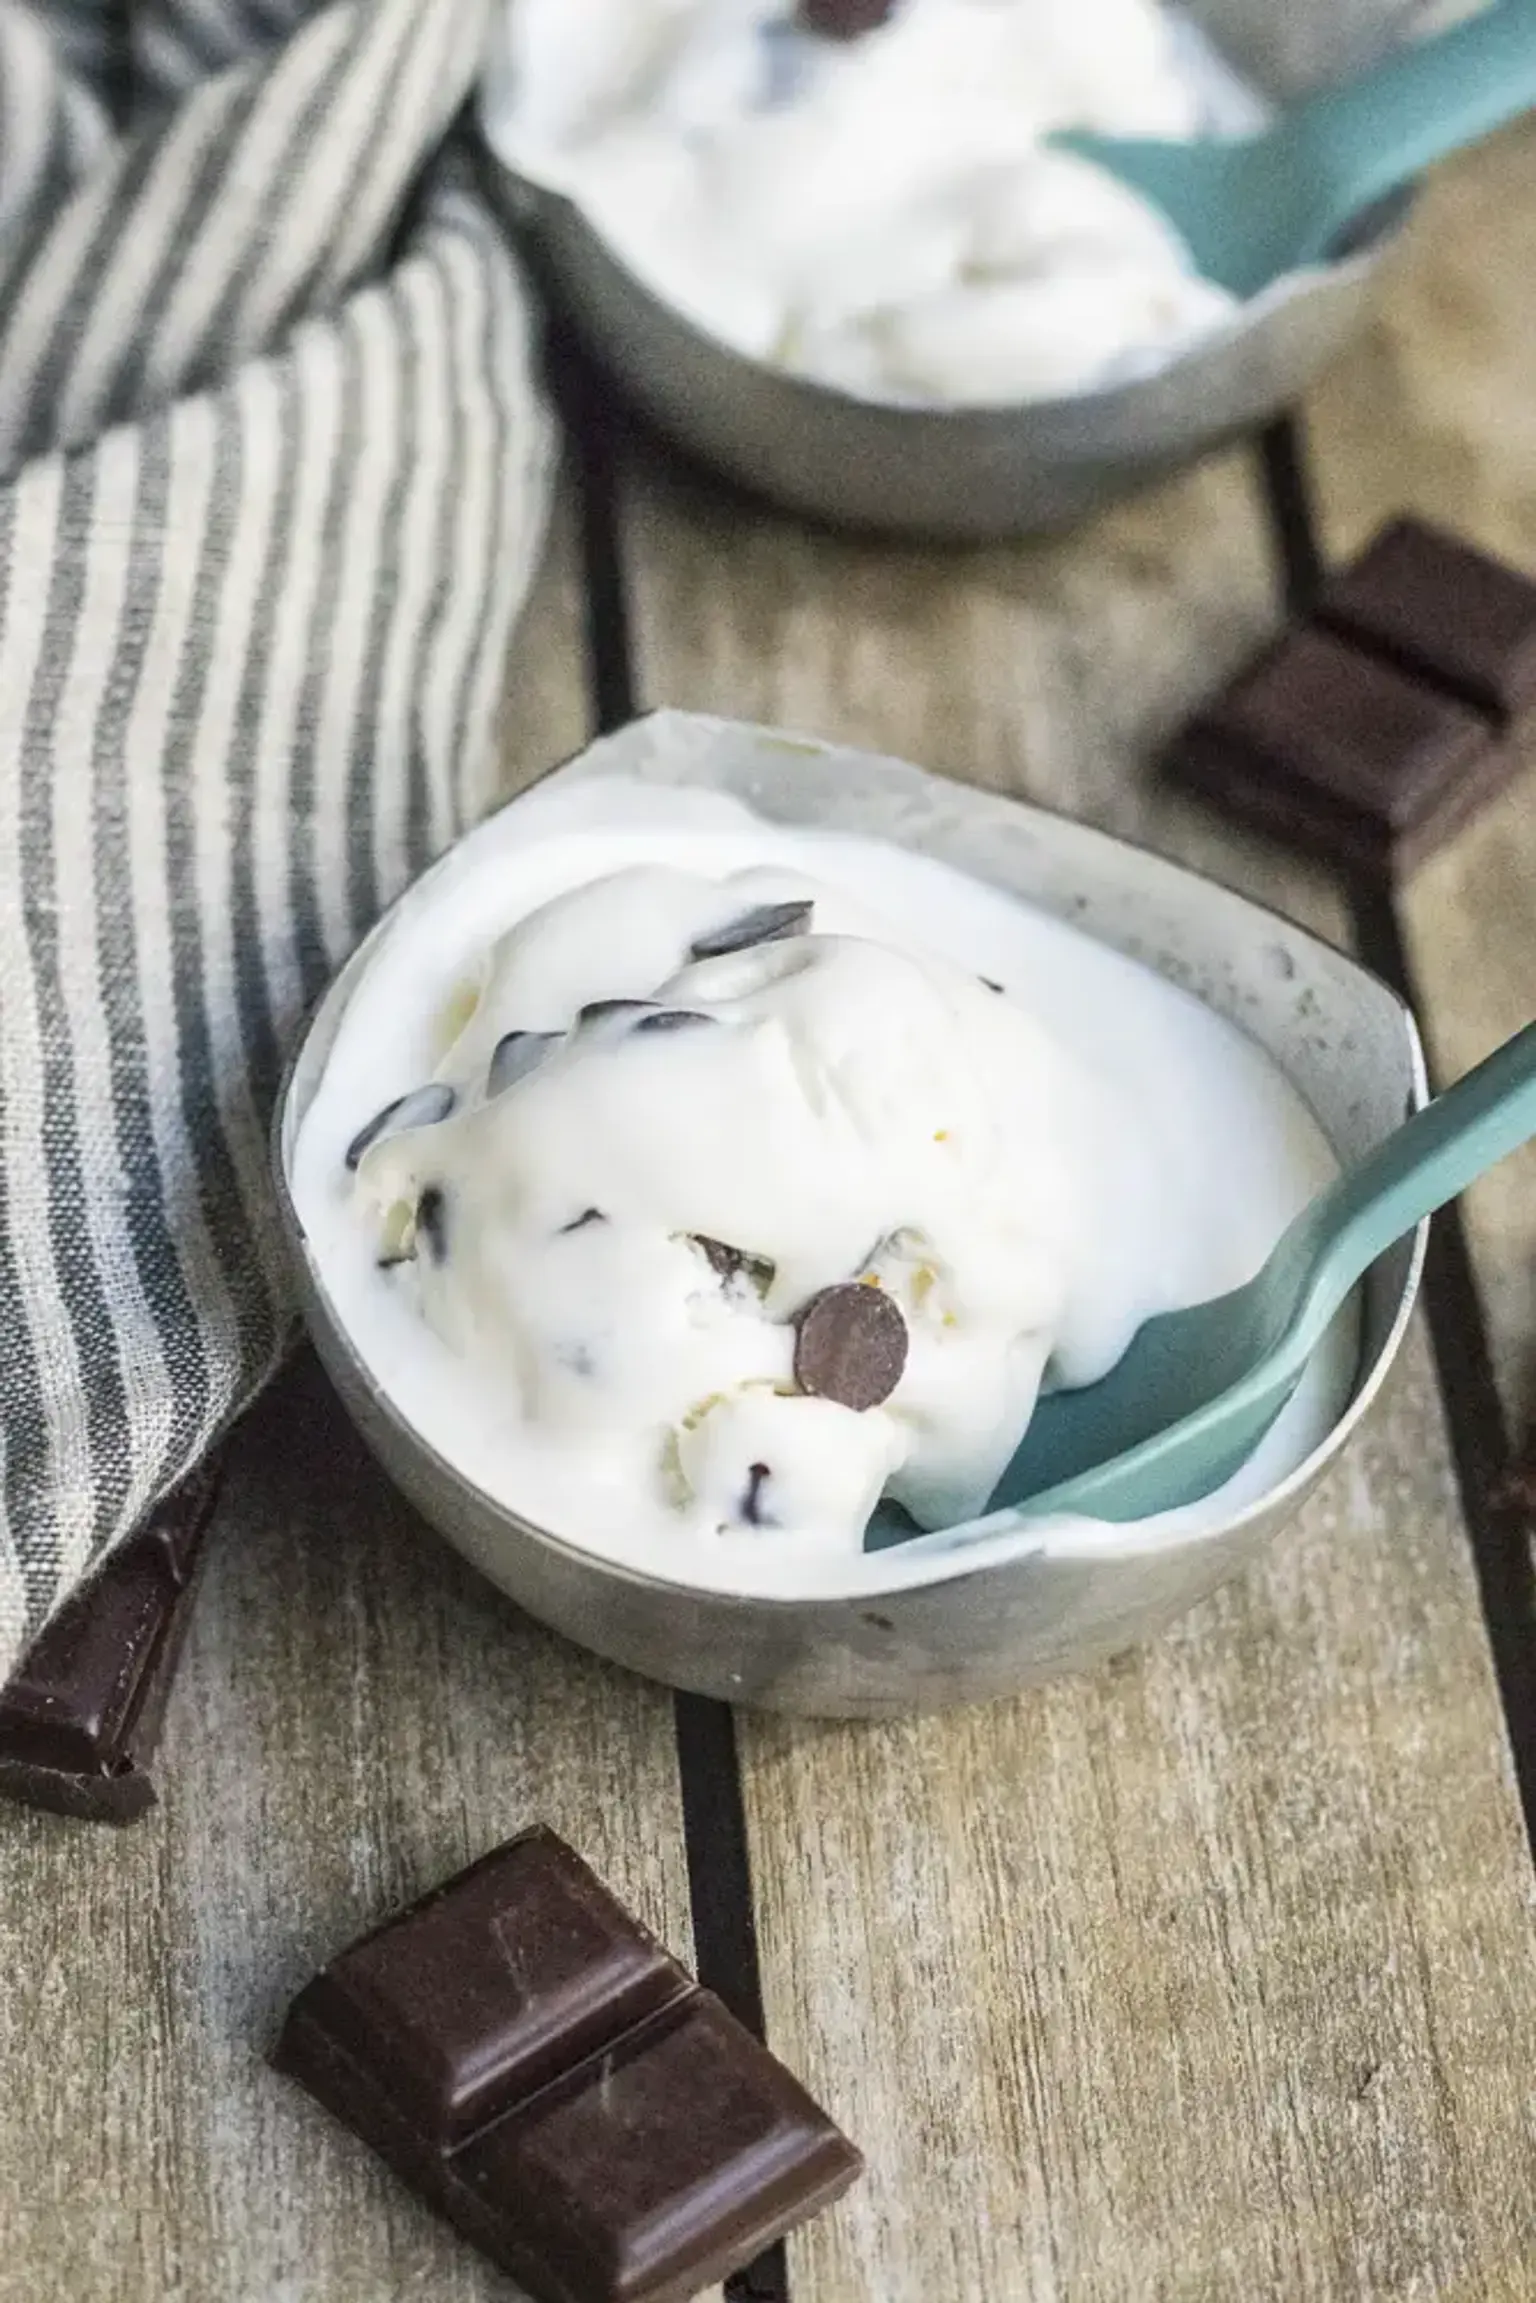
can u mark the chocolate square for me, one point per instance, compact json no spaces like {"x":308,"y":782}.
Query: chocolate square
{"x":1341,"y":752}
{"x":720,"y":2124}
{"x":1444,"y":612}
{"x":1373,"y":731}
{"x":526,"y":2057}
{"x":81,"y":1715}
{"x":489,"y":1988}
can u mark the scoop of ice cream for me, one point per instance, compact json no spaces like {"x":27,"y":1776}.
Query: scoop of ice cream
{"x":883,"y":212}
{"x":721,"y":1173}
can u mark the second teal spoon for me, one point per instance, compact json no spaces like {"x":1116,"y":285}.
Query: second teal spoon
{"x":1255,"y":207}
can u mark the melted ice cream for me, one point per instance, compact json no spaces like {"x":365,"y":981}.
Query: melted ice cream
{"x":575,"y":1253}
{"x":654,"y":1161}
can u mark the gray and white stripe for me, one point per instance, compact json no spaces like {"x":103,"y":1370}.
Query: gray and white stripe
{"x":251,"y":639}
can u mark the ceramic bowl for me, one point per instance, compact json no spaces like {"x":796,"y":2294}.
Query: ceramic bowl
{"x":935,"y":1632}
{"x":984,"y":472}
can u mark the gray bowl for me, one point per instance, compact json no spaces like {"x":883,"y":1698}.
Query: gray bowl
{"x":952,"y":1633}
{"x":983,"y":472}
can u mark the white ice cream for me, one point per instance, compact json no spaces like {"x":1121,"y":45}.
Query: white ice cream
{"x":881,"y":213}
{"x":627,"y":1209}
{"x":538,"y":1279}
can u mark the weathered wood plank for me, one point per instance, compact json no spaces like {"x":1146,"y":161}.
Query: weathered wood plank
{"x":1433,"y":410}
{"x":357,"y":1716}
{"x":1208,"y":1976}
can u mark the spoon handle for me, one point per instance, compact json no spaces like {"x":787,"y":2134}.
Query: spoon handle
{"x":1435,"y":1155}
{"x":1365,"y":137}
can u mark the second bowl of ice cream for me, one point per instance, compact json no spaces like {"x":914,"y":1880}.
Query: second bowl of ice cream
{"x":691,"y":1198}
{"x":855,"y":274}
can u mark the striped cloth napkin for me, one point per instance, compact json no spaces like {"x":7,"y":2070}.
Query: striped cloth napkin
{"x":273,"y":475}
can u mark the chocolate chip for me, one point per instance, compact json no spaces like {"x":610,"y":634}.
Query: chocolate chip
{"x":843,"y":19}
{"x":766,"y":924}
{"x":671,"y":1020}
{"x":649,"y":1017}
{"x":432,"y":1222}
{"x":727,"y":1261}
{"x":422,"y":1108}
{"x":596,"y":1010}
{"x":850,"y":1345}
{"x":758,"y":1476}
{"x":514,"y":1056}
{"x":589,"y":1215}
{"x":730,"y":1262}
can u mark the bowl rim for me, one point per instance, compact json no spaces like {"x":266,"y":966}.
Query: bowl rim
{"x":946,"y":1568}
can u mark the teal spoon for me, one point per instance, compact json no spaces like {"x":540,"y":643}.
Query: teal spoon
{"x":1254,"y":208}
{"x":1198,"y":1389}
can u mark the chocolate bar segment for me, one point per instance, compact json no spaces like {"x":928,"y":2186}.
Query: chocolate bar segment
{"x":533,"y":2063}
{"x":721,"y":2126}
{"x":1444,"y":613}
{"x":1372,"y":732}
{"x":493,"y":1986}
{"x":80,"y":1717}
{"x":1342,"y":753}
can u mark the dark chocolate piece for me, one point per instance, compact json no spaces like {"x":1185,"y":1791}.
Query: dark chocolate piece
{"x":529,"y":2060}
{"x":843,"y":19}
{"x":752,"y":1511}
{"x":595,"y":1010}
{"x":1443,"y":612}
{"x":422,"y":1108}
{"x":81,"y":1716}
{"x":766,"y":924}
{"x":649,"y":1017}
{"x":672,"y":1020}
{"x":1342,"y":753}
{"x":432,"y":1222}
{"x":514,"y":1056}
{"x":663,"y":2165}
{"x":850,"y":1345}
{"x":729,"y":1262}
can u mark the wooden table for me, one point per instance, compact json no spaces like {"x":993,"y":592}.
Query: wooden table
{"x":1209,"y":1976}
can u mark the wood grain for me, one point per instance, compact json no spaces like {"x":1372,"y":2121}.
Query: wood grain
{"x":1210,"y":1976}
{"x":1433,"y":409}
{"x":357,"y":1716}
